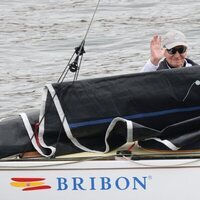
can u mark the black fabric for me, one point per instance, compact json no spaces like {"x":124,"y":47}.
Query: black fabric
{"x":153,"y":101}
{"x":14,"y":137}
{"x":184,"y":135}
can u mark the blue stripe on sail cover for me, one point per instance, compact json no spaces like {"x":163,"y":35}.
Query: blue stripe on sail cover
{"x":135,"y":116}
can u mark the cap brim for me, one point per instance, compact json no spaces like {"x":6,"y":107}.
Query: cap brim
{"x":175,"y":44}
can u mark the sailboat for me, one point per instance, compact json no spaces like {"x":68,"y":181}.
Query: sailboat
{"x":132,"y":136}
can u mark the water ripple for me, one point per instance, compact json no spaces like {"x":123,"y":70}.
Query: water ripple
{"x":37,"y":38}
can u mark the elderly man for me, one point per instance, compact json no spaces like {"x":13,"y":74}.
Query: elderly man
{"x":172,"y":53}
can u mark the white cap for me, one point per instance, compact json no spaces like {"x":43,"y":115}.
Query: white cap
{"x":174,"y":38}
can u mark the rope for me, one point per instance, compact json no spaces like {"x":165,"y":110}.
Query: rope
{"x":197,"y":83}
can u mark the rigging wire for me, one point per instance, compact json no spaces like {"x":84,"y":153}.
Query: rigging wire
{"x":78,"y":51}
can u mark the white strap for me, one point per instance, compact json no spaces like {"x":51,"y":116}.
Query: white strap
{"x":42,"y":124}
{"x":167,"y":143}
{"x":30,"y":133}
{"x":111,"y":126}
{"x":64,"y":120}
{"x":129,"y":131}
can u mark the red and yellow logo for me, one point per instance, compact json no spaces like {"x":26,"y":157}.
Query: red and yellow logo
{"x":28,"y":184}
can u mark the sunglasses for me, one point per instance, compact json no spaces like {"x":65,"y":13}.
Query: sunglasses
{"x":180,"y":49}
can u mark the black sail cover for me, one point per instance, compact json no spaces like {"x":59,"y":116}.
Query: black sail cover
{"x":159,"y":109}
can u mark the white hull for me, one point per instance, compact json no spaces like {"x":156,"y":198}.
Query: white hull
{"x":103,"y":179}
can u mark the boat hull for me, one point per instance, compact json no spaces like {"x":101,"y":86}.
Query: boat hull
{"x":117,"y":179}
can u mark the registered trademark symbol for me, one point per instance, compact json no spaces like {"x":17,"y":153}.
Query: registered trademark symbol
{"x":150,"y":177}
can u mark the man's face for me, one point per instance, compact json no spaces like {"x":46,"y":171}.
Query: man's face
{"x":176,"y":56}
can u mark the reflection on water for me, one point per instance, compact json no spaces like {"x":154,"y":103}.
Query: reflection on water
{"x":37,"y":38}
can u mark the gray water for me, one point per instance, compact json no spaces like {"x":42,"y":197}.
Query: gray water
{"x":37,"y":38}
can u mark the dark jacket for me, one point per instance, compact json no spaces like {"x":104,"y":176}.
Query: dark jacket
{"x":164,"y":65}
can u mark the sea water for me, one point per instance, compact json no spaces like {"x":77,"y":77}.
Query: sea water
{"x":38,"y":37}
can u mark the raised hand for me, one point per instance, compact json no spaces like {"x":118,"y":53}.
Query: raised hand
{"x":157,"y":52}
